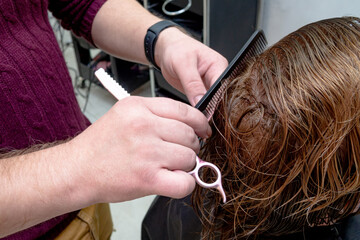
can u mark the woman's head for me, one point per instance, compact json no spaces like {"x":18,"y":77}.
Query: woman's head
{"x":287,"y":136}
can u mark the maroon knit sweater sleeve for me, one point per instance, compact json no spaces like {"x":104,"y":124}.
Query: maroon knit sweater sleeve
{"x":37,"y":101}
{"x":76,"y":15}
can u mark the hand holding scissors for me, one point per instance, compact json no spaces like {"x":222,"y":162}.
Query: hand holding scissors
{"x":113,"y":87}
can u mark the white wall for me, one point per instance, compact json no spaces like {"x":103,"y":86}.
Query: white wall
{"x":281,"y":17}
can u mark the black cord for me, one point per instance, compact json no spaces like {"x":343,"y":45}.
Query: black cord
{"x":87,"y":96}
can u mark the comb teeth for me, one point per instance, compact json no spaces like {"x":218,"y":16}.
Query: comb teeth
{"x":111,"y":85}
{"x":210,"y":108}
{"x":256,"y":48}
{"x":251,"y":49}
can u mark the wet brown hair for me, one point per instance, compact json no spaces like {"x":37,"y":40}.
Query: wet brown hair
{"x":287,"y":137}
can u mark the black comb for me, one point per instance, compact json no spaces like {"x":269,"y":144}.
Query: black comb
{"x":254,"y":46}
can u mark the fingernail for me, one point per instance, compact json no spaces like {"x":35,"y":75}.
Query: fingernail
{"x":197,"y":98}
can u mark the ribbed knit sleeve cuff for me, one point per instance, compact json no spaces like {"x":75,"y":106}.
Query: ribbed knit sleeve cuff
{"x":85,"y":30}
{"x":76,"y":15}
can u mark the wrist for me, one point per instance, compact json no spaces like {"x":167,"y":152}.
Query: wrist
{"x":77,"y":175}
{"x":151,"y":39}
{"x":167,"y":38}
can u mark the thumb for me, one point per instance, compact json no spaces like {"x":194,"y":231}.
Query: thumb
{"x":192,"y":84}
{"x":174,"y":184}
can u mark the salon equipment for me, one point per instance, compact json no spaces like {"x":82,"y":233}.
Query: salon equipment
{"x":178,"y":12}
{"x":118,"y":92}
{"x":217,"y":184}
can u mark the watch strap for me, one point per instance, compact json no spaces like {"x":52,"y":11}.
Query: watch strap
{"x":151,"y":37}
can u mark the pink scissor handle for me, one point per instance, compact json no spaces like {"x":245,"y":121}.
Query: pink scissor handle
{"x":217,"y":184}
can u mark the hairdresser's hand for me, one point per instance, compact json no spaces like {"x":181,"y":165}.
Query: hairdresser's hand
{"x":142,"y":146}
{"x":188,"y":65}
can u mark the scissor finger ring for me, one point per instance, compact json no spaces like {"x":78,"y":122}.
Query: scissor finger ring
{"x":217,"y":184}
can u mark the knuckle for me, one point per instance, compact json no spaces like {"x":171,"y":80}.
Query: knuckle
{"x":189,"y":160}
{"x":145,"y":150}
{"x":130,"y":101}
{"x":134,"y":99}
{"x":190,"y":133}
{"x":139,"y":125}
{"x":191,"y":138}
{"x":183,"y":110}
{"x":148,"y":175}
{"x":196,"y":145}
{"x":147,"y":163}
{"x":137,"y":117}
{"x":194,"y":83}
{"x":193,"y":157}
{"x":130,"y":105}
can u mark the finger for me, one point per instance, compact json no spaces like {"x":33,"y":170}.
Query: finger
{"x":191,"y":80}
{"x":174,"y":184}
{"x":214,"y":71}
{"x":177,"y":157}
{"x":167,"y":108}
{"x":177,"y":132}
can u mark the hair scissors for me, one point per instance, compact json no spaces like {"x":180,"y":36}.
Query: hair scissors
{"x":217,"y":184}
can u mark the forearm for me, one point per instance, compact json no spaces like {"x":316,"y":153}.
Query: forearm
{"x":38,"y":186}
{"x":119,"y":28}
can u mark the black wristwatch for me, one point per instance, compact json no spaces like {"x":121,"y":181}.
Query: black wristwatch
{"x":151,"y":38}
